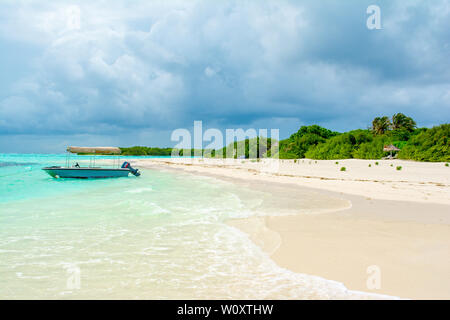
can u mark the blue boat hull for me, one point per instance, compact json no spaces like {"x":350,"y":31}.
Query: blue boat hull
{"x":86,"y":173}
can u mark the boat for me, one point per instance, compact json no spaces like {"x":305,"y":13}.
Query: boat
{"x":92,"y":172}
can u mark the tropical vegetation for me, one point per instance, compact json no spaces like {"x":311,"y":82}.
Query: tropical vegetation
{"x":316,"y":142}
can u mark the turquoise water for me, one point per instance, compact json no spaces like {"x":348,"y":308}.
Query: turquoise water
{"x":158,"y":236}
{"x":21,"y":176}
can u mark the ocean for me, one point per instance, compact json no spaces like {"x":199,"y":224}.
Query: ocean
{"x":162,"y":235}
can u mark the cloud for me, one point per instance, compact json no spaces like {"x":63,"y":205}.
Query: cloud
{"x":135,"y":67}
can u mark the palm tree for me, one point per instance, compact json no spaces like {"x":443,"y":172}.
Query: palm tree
{"x":400,"y":121}
{"x":380,"y":125}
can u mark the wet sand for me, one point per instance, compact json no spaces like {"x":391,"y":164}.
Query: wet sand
{"x":393,"y":238}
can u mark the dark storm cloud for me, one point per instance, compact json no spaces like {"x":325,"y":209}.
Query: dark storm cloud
{"x":94,"y":70}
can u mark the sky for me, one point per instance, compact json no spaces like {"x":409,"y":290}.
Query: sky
{"x":123,"y":73}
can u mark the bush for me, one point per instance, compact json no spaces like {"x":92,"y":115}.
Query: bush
{"x":359,"y":144}
{"x":298,"y":143}
{"x":372,"y":149}
{"x":255,"y":148}
{"x":428,"y":145}
{"x":343,"y":169}
{"x":399,"y":168}
{"x":286,"y":155}
{"x":338,"y":147}
{"x":146,"y":151}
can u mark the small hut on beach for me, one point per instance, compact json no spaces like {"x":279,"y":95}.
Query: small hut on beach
{"x":391,"y":148}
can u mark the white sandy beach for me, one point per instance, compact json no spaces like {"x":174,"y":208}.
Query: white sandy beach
{"x":399,"y":220}
{"x":416,"y":181}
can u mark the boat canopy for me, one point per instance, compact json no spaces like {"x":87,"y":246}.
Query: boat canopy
{"x":94,"y":150}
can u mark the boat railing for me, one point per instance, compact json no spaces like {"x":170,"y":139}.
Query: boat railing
{"x":112,"y":161}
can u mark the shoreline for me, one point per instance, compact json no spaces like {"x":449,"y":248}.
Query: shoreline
{"x":408,"y":241}
{"x":381,"y":181}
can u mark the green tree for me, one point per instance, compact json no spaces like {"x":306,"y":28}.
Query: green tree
{"x":299,"y":143}
{"x":380,"y":125}
{"x":428,"y":145}
{"x":259,"y":147}
{"x":400,"y":121}
{"x":340,"y":147}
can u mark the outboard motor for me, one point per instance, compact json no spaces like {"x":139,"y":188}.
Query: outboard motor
{"x":127,"y":165}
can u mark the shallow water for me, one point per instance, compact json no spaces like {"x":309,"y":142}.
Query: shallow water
{"x":162,"y":235}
